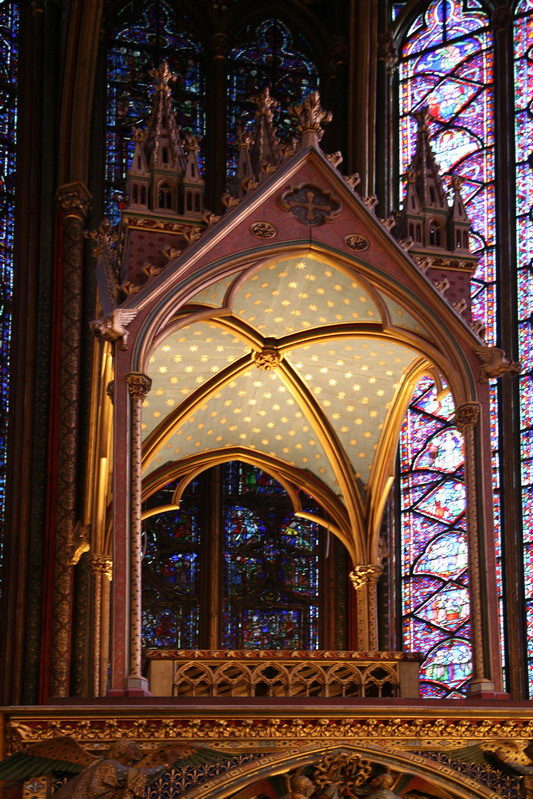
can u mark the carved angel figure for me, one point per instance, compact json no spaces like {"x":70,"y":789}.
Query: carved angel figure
{"x":380,"y":788}
{"x":494,"y":363}
{"x":113,"y":327}
{"x":117,"y":776}
{"x":113,"y":777}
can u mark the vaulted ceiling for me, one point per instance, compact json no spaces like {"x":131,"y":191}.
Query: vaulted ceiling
{"x":304,"y":365}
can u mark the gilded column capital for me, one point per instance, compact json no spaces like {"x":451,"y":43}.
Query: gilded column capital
{"x":467,"y":415}
{"x":139,"y":384}
{"x":101,"y":564}
{"x":74,"y":200}
{"x":363,"y":575}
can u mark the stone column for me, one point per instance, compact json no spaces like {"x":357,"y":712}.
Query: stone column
{"x":364,"y":580}
{"x":466,"y":418}
{"x":73,"y":202}
{"x":138,"y":385}
{"x":102,"y":570}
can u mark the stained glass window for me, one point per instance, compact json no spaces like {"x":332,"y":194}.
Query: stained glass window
{"x":523,"y":40}
{"x":9,"y":26}
{"x":271,"y":573}
{"x":270,"y":56}
{"x":435,"y":596}
{"x":171,"y":581}
{"x":137,"y":46}
{"x":447,"y":65}
{"x":270,"y":557}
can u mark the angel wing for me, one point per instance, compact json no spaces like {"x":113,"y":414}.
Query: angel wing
{"x":183,"y":755}
{"x":62,"y":754}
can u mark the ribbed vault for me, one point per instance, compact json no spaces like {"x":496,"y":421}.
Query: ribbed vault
{"x":302,"y":362}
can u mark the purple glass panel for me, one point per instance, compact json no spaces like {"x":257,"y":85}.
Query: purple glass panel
{"x":9,"y":28}
{"x":523,"y":41}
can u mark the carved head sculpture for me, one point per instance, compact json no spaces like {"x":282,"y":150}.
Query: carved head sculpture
{"x":382,"y":781}
{"x":302,"y":786}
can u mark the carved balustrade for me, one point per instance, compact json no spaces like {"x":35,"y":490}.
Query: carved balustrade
{"x":282,"y":673}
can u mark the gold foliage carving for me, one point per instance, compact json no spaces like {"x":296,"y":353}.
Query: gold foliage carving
{"x":402,"y":730}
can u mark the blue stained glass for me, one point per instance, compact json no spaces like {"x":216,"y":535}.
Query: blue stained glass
{"x":171,"y":574}
{"x":443,"y":452}
{"x":448,"y":609}
{"x":9,"y":29}
{"x":271,"y":574}
{"x":447,"y":65}
{"x":449,"y":664}
{"x":270,"y":56}
{"x":446,"y":502}
{"x":136,"y":46}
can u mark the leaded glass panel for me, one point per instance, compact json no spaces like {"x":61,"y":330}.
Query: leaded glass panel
{"x":270,"y":55}
{"x":523,"y":75}
{"x":148,"y":35}
{"x":435,"y":596}
{"x":9,"y":28}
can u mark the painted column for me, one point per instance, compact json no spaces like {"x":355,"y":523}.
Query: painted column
{"x":364,"y":580}
{"x":466,"y":418}
{"x":138,"y":385}
{"x":101,"y":569}
{"x":73,"y":201}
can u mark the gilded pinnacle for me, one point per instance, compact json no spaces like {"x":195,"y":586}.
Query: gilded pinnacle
{"x":310,"y":115}
{"x":162,"y":77}
{"x":265,"y":104}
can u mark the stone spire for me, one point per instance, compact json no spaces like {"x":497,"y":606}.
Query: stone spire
{"x":163,"y":145}
{"x":425,"y":213}
{"x":428,"y":181}
{"x":435,"y":233}
{"x":264,"y":152}
{"x":311,"y":116}
{"x":164,"y":175}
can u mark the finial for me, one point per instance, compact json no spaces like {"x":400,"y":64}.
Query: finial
{"x":192,"y":141}
{"x":423,"y":117}
{"x":457,"y":182}
{"x":139,"y":135}
{"x":162,"y":77}
{"x":311,"y":116}
{"x":265,"y":104}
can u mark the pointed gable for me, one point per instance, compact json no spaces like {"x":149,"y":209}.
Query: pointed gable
{"x":288,"y":331}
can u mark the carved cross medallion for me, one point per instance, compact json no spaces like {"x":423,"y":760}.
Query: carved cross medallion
{"x":310,"y":205}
